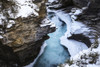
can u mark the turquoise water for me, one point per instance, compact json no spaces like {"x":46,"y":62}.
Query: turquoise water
{"x":54,"y":53}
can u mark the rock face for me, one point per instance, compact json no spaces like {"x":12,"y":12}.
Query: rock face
{"x":66,"y":3}
{"x":81,"y":38}
{"x":7,"y":56}
{"x":61,"y":4}
{"x":80,"y":3}
{"x":91,"y":16}
{"x":23,"y":40}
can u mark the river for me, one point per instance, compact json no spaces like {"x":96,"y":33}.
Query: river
{"x":54,"y":53}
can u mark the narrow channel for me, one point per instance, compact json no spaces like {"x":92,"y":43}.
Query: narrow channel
{"x":54,"y":53}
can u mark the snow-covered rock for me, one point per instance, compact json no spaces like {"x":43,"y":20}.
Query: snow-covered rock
{"x":26,"y":8}
{"x":86,"y":58}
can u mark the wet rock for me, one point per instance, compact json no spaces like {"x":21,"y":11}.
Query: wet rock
{"x":81,"y":38}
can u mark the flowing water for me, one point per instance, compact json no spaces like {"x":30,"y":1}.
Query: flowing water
{"x":54,"y":53}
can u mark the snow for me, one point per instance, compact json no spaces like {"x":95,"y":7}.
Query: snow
{"x":78,"y":27}
{"x":93,"y":65}
{"x":1,"y":37}
{"x":78,"y":11}
{"x":1,"y":18}
{"x":10,"y":24}
{"x":51,"y":1}
{"x":11,"y":13}
{"x":26,"y":8}
{"x":86,"y":52}
{"x":74,"y":47}
{"x":47,"y":22}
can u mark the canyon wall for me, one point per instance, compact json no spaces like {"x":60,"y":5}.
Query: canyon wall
{"x":21,"y":36}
